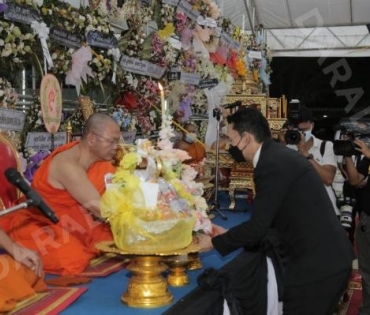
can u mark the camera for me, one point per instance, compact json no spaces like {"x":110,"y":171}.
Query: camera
{"x":346,"y":204}
{"x":293,"y":135}
{"x":347,"y":131}
{"x":347,"y":147}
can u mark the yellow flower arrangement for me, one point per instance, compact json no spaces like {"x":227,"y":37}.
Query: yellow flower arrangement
{"x":156,"y":208}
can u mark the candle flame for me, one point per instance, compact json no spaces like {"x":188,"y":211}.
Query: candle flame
{"x":160,"y":87}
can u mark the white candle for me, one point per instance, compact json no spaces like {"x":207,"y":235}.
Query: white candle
{"x":243,"y":24}
{"x":162,"y":100}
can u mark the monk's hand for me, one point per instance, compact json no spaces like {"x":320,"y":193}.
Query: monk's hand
{"x":28,"y":257}
{"x":204,"y":242}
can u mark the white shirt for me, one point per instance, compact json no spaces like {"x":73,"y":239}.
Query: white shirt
{"x":256,"y":156}
{"x":328,"y":158}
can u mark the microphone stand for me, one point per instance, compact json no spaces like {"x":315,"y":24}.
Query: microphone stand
{"x":25,"y":204}
{"x":216,"y":205}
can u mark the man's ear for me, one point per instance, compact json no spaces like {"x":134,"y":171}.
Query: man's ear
{"x":89,"y":137}
{"x":246,"y":137}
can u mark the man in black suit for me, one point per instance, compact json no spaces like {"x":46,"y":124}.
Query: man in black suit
{"x":290,"y":199}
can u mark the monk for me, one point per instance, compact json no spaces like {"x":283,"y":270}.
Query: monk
{"x":21,"y":274}
{"x":71,"y":181}
{"x":190,"y":143}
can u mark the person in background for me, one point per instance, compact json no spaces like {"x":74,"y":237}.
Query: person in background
{"x":189,"y":143}
{"x":21,"y":274}
{"x":319,"y":153}
{"x":356,"y":176}
{"x":291,"y":201}
{"x":71,"y":180}
{"x":352,"y":195}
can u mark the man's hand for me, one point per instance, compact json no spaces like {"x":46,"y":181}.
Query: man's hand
{"x":205,"y":243}
{"x":362,"y":147}
{"x":217,"y":230}
{"x":28,"y":258}
{"x":301,"y":145}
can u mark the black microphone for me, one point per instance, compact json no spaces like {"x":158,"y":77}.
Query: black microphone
{"x":232,"y":105}
{"x":15,"y":178}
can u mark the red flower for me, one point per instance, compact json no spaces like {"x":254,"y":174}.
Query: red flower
{"x":128,"y":100}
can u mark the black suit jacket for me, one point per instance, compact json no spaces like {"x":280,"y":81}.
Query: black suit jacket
{"x":291,"y":198}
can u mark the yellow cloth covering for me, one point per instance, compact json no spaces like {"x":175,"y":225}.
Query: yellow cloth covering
{"x":17,"y":282}
{"x":68,"y":246}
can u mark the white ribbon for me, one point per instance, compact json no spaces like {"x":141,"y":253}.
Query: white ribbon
{"x":42,"y":31}
{"x":116,"y":57}
{"x":80,"y":69}
{"x":206,"y":21}
{"x":214,"y":97}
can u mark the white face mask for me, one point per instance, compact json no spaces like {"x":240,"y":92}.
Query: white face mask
{"x":307,"y":135}
{"x":190,"y":137}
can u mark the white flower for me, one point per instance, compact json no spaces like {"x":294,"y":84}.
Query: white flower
{"x":7,"y":51}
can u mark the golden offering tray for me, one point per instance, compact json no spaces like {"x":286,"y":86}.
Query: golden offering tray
{"x":147,"y":288}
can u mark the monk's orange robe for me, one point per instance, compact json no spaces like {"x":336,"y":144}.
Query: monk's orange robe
{"x":68,"y":246}
{"x":17,"y":282}
{"x":197,"y":153}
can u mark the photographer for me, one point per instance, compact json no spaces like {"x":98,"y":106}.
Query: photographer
{"x":351,"y":197}
{"x":318,"y":152}
{"x":355,"y":177}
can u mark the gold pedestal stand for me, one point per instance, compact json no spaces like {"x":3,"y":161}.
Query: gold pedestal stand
{"x":147,"y":288}
{"x":177,"y":276}
{"x":195,"y":262}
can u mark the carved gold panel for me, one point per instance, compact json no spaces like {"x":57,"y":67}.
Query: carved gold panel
{"x":276,"y":125}
{"x":249,"y":99}
{"x":273,"y":109}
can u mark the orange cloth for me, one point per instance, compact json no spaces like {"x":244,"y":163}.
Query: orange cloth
{"x":197,"y":153}
{"x":17,"y":282}
{"x":68,"y":246}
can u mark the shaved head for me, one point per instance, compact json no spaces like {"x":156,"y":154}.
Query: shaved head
{"x":96,"y":123}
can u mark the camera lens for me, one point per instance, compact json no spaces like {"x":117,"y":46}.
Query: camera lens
{"x":292,"y":137}
{"x":346,"y":216}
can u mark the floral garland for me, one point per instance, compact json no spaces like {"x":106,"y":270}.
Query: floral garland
{"x":8,"y":99}
{"x":8,"y":95}
{"x":80,"y":23}
{"x":16,"y":45}
{"x":202,"y":53}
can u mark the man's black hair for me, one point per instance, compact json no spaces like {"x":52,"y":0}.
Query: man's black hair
{"x":250,"y":120}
